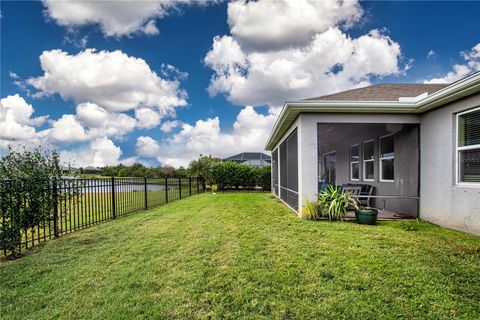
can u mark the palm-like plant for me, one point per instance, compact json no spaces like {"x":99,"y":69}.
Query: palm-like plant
{"x":202,"y":167}
{"x":334,"y":203}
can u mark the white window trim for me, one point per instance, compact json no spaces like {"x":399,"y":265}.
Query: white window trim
{"x":385,"y":158}
{"x":353,"y":162}
{"x":323,"y":160}
{"x":370,"y":160}
{"x":458,"y":149}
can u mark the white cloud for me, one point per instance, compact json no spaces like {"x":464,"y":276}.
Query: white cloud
{"x":332,"y":61}
{"x":170,"y":125}
{"x":147,"y":118}
{"x":112,"y":80}
{"x":67,"y":129}
{"x":147,"y":147}
{"x":471,"y":64}
{"x":100,"y":152}
{"x":91,"y":114}
{"x":115,"y":18}
{"x":16,"y":122}
{"x":249,"y":133}
{"x":273,"y":25}
{"x":431,"y":54}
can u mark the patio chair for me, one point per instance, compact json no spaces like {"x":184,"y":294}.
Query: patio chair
{"x":366,"y":190}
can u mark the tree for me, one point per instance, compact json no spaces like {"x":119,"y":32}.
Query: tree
{"x":202,"y":167}
{"x":28,"y":180}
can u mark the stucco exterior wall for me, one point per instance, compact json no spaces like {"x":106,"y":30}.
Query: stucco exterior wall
{"x":443,"y":201}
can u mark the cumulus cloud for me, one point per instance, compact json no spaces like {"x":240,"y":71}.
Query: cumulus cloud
{"x":99,"y":153}
{"x":272,"y":25}
{"x":147,"y":147}
{"x":147,"y":118}
{"x":115,"y":18}
{"x":471,"y":64}
{"x":16,"y":121}
{"x":170,"y":125}
{"x":249,"y":133}
{"x":113,"y":80}
{"x":332,"y":61}
{"x":66,"y":129}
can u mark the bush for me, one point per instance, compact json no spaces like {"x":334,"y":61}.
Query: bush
{"x":230,"y":174}
{"x":334,"y":203}
{"x":27,"y":199}
{"x":266,"y":178}
{"x":310,"y":211}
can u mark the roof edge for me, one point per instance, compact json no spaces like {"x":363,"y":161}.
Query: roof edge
{"x":454,"y":91}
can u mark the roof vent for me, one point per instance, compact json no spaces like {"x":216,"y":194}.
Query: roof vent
{"x":413,"y":99}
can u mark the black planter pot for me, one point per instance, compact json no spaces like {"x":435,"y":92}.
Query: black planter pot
{"x":366,"y":216}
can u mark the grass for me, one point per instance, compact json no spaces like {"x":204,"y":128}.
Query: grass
{"x":90,"y":208}
{"x":230,"y":256}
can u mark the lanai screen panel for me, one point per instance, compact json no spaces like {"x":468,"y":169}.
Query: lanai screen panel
{"x":275,"y":171}
{"x":289,"y":170}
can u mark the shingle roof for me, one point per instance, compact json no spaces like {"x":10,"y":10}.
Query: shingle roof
{"x":248,"y":156}
{"x":383,"y":92}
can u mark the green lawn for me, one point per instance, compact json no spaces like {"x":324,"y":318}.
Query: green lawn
{"x":230,"y":256}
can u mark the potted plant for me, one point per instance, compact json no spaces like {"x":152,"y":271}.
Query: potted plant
{"x":334,"y":203}
{"x":366,"y":215}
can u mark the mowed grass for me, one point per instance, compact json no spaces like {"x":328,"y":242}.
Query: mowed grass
{"x":231,"y":256}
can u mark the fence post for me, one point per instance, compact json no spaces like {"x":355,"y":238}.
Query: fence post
{"x":198,"y":189}
{"x":190,"y":185}
{"x":55,"y":207}
{"x":146,"y":197}
{"x":166,"y":190}
{"x":180,"y":187}
{"x":113,"y":198}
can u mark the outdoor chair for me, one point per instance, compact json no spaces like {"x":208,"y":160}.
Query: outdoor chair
{"x":366,"y":190}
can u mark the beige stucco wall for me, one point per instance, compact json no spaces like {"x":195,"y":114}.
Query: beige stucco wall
{"x":443,"y":201}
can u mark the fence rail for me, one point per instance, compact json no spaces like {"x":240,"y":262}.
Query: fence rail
{"x":81,"y":203}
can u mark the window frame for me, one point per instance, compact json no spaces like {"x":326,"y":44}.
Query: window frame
{"x":369,"y":160}
{"x":385,"y":158}
{"x":458,"y":149}
{"x":352,"y":162}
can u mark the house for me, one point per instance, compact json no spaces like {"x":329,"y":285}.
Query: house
{"x":254,"y":159}
{"x":92,"y":170}
{"x":416,"y":145}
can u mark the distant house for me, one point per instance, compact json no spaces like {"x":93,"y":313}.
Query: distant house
{"x":254,"y":159}
{"x":417,"y":145}
{"x":91,"y":170}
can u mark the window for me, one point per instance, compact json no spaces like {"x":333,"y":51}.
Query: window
{"x":368,"y":161}
{"x":354,"y":162}
{"x":468,"y":146}
{"x":387,"y":159}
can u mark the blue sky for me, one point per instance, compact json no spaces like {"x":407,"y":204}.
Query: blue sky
{"x":311,"y":49}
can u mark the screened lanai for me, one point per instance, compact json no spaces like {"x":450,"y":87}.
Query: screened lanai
{"x":382,"y":159}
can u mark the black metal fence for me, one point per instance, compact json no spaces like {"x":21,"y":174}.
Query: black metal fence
{"x":81,"y":203}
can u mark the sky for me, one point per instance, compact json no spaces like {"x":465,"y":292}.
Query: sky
{"x":162,"y":82}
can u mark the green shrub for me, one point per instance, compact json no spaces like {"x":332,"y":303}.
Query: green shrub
{"x":229,"y":174}
{"x":310,"y":211}
{"x":27,"y":198}
{"x":266,"y":178}
{"x":334,"y":203}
